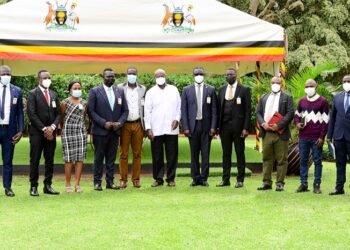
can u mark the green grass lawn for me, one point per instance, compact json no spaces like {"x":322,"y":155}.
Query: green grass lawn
{"x":177,"y":218}
{"x":22,"y":152}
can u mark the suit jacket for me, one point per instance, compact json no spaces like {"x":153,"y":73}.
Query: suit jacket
{"x":141,"y":91}
{"x":241,"y":113}
{"x":100,"y":111}
{"x":16,"y":123}
{"x":285,"y":108}
{"x":40,"y":113}
{"x":189,"y":108}
{"x":339,"y":122}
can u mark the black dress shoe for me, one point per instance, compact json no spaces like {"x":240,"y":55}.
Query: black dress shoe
{"x":49,"y":190}
{"x":33,"y":191}
{"x":302,"y":188}
{"x":239,"y":184}
{"x":337,"y":192}
{"x":97,"y":187}
{"x":205,"y":184}
{"x":112,"y":186}
{"x":224,"y":184}
{"x":171,"y":184}
{"x":195,"y":183}
{"x":264,"y":187}
{"x":9,"y":192}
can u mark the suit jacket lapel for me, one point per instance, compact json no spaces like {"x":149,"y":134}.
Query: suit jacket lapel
{"x":41,"y":96}
{"x":223,"y":95}
{"x":238,"y":90}
{"x":104,"y":95}
{"x":204,"y":96}
{"x":280,"y":102}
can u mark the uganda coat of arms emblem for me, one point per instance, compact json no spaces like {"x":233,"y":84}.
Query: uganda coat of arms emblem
{"x":61,"y":17}
{"x":178,"y":20}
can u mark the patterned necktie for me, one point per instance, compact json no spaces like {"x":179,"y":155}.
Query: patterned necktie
{"x":2,"y":114}
{"x":46,"y":94}
{"x":199,"y":103}
{"x":110,"y":98}
{"x":347,"y":102}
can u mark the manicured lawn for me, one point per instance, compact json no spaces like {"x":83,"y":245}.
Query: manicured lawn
{"x":22,"y":152}
{"x":177,"y":218}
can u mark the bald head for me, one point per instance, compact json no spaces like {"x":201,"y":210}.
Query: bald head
{"x":276,"y":79}
{"x":5,"y":70}
{"x":159,"y":73}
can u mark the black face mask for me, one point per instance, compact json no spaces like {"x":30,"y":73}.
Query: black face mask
{"x":109,"y":82}
{"x":231,"y":79}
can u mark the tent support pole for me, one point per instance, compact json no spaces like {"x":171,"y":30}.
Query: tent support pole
{"x":257,"y":126}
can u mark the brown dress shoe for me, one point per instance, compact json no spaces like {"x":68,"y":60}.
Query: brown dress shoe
{"x":123,"y":184}
{"x":136,"y":184}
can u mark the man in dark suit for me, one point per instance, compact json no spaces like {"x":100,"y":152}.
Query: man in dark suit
{"x":11,"y":124}
{"x":44,"y":116}
{"x":199,"y":119}
{"x":108,"y":111}
{"x":234,"y":113}
{"x":339,"y":133}
{"x":275,"y":142}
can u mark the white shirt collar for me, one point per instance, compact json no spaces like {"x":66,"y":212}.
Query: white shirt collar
{"x":233,"y":85}
{"x":314,"y":98}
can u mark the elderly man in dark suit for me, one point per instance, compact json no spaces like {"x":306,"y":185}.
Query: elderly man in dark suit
{"x":339,"y":133}
{"x":199,"y":119}
{"x":234,"y":112}
{"x":275,"y":134}
{"x":108,"y":111}
{"x":11,"y":124}
{"x":44,"y":115}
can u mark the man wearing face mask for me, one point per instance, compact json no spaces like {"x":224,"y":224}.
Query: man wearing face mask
{"x":339,"y":133}
{"x":311,"y":119}
{"x":133,"y":129}
{"x":234,"y":112}
{"x":275,"y":142}
{"x":11,"y":124}
{"x":108,"y":111}
{"x":162,"y":116}
{"x":44,"y":115}
{"x":199,"y":120}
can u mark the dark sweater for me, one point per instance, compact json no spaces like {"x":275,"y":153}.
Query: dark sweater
{"x":316,"y":113}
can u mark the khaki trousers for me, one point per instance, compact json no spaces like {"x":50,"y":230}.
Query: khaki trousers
{"x":131,"y":133}
{"x":274,"y":149}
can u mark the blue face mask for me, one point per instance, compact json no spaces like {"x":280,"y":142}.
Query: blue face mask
{"x":76,"y":93}
{"x":132,"y":79}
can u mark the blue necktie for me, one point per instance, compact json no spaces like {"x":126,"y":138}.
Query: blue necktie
{"x":347,"y":102}
{"x":2,"y":113}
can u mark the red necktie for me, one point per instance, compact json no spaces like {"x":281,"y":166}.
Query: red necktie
{"x":47,"y":97}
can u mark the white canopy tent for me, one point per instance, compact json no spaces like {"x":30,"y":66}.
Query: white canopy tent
{"x":84,"y":36}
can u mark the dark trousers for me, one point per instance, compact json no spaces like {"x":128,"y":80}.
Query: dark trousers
{"x":342,"y":154}
{"x":200,"y":143}
{"x":7,"y":149}
{"x":38,"y":144}
{"x":105,"y":149}
{"x":170,"y":142}
{"x":228,"y":136}
{"x":305,"y":146}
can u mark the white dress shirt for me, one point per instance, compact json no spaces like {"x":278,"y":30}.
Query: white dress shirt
{"x":132,"y":99}
{"x":7,"y":109}
{"x":234,"y":86}
{"x":108,"y":89}
{"x":162,"y":107}
{"x":269,"y":113}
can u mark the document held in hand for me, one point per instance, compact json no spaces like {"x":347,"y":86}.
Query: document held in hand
{"x":275,"y":119}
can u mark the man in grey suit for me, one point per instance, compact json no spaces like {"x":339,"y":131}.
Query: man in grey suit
{"x":108,"y":111}
{"x":199,"y":118}
{"x":275,"y":134}
{"x":133,"y":130}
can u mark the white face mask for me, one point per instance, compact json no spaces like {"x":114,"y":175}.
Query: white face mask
{"x":5,"y":80}
{"x":199,"y":79}
{"x":76,"y":93}
{"x":132,"y":79}
{"x":346,"y":87}
{"x":310,"y":92}
{"x":160,"y":80}
{"x":46,"y":83}
{"x":275,"y":87}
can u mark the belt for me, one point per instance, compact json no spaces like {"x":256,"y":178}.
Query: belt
{"x":4,"y":125}
{"x":138,"y":120}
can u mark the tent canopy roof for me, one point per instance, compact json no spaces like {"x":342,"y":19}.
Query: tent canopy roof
{"x":72,"y":36}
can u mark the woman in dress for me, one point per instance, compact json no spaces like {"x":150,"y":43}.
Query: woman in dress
{"x":74,"y":135}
